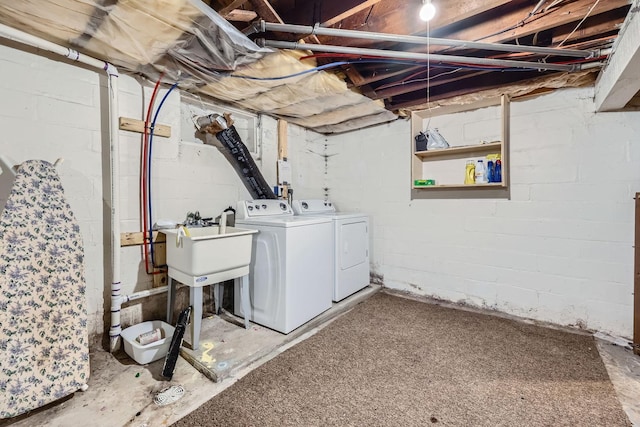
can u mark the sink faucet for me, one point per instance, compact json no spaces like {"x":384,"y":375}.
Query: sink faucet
{"x":193,"y":219}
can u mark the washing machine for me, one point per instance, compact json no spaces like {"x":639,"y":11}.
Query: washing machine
{"x":350,"y":246}
{"x":290,"y":273}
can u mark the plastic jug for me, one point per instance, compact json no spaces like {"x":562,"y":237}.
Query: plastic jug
{"x":481,"y":172}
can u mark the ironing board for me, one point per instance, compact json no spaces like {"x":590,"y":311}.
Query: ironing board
{"x":43,"y":319}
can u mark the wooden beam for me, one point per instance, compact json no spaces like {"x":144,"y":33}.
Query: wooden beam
{"x":137,"y":238}
{"x":232,"y":6}
{"x":566,"y":12}
{"x":353,"y":74}
{"x":465,"y":9}
{"x":401,"y":89}
{"x":620,"y":82}
{"x":283,"y":141}
{"x":479,"y":83}
{"x":159,"y":249}
{"x":636,"y":281}
{"x":264,"y":9}
{"x":390,"y":17}
{"x":591,"y":28}
{"x":134,"y":125}
{"x":376,"y":77}
{"x":283,"y":150}
{"x":239,"y":15}
{"x":349,"y":8}
{"x":269,"y":14}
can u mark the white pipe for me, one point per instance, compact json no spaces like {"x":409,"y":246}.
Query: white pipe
{"x":112,"y":87}
{"x":144,"y":294}
{"x":536,"y":8}
{"x":114,"y":143}
{"x":399,"y":38}
{"x":28,"y":39}
{"x":435,"y":59}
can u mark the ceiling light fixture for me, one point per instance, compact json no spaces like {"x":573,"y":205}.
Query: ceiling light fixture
{"x":427,"y":11}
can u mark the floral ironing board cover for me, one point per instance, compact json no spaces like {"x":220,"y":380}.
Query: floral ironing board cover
{"x":44,"y":351}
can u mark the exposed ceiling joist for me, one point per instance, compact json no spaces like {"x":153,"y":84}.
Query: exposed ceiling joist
{"x":324,"y":12}
{"x":232,"y":6}
{"x":565,"y":13}
{"x":264,"y":9}
{"x":464,"y":9}
{"x":240,"y":15}
{"x":422,"y":84}
{"x":483,"y":82}
{"x":376,"y":77}
{"x":350,"y":8}
{"x":592,"y":27}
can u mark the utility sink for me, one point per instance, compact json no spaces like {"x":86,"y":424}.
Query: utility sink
{"x":205,"y":256}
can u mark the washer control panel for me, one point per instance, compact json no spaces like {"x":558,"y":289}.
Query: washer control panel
{"x":263,"y":207}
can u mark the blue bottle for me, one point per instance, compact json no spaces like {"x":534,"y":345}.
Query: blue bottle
{"x":497,"y":173}
{"x":491,"y":171}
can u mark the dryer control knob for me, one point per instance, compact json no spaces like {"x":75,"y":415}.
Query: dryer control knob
{"x":283,"y":206}
{"x":264,"y":206}
{"x":305,"y":205}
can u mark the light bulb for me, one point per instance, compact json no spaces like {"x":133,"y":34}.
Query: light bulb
{"x":427,"y":11}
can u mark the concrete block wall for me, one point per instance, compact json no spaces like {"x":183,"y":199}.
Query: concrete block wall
{"x":51,"y":109}
{"x":560,"y":250}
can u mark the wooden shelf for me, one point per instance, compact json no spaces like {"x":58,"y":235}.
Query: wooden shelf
{"x":446,"y":165}
{"x":454,"y":151}
{"x":459,"y":186}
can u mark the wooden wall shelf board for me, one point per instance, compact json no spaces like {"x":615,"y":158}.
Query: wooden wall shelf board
{"x":461,"y":186}
{"x":446,"y":165}
{"x":465,"y":149}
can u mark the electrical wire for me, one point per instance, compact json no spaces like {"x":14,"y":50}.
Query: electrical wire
{"x":153,"y":126}
{"x":579,"y":23}
{"x":389,"y":61}
{"x":405,"y":82}
{"x":147,"y":240}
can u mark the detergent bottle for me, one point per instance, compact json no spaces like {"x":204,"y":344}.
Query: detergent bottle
{"x":470,"y":172}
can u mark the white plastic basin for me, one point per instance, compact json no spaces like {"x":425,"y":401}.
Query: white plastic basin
{"x":151,"y":352}
{"x":207,"y":252}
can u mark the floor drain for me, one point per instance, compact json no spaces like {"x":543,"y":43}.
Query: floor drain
{"x":169,"y":395}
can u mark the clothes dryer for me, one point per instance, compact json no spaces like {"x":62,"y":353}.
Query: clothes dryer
{"x":350,"y":246}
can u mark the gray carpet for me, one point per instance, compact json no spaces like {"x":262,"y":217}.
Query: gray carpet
{"x":392,"y":361}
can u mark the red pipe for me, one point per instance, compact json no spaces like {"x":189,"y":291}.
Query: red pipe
{"x":143,"y":181}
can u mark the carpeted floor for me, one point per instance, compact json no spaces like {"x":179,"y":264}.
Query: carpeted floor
{"x":392,"y":361}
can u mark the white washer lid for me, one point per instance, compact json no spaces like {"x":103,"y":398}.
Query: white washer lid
{"x":284,"y":221}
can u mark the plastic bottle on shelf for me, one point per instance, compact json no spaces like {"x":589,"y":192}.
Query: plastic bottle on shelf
{"x":481,"y":172}
{"x":470,"y":172}
{"x":498,"y":171}
{"x":491,"y":171}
